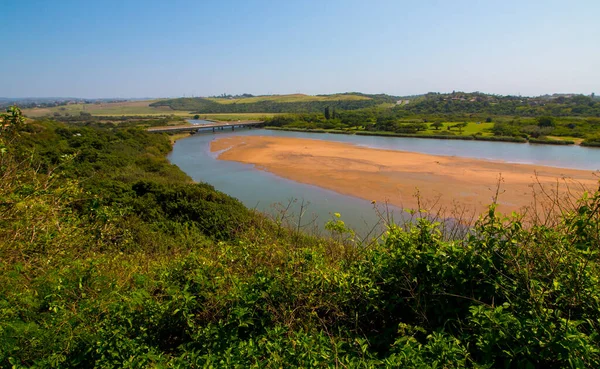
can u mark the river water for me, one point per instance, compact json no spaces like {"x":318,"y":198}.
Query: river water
{"x":269,"y":193}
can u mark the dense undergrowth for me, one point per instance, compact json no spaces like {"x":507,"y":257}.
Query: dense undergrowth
{"x":111,"y":257}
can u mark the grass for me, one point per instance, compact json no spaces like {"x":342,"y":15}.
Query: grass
{"x":577,"y":140}
{"x":137,"y":108}
{"x":107,"y":109}
{"x":288,"y":98}
{"x":241,"y":116}
{"x":178,"y":136}
{"x":472,"y":128}
{"x":142,"y":108}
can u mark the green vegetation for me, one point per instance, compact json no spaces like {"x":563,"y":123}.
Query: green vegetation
{"x":550,"y":141}
{"x":557,"y":119}
{"x":231,"y":117}
{"x":412,"y":135}
{"x":290,"y":98}
{"x":111,"y":257}
{"x":126,"y":108}
{"x":593,"y":141}
{"x":471,"y":128}
{"x":275,"y":104}
{"x":466,"y":116}
{"x":479,"y":103}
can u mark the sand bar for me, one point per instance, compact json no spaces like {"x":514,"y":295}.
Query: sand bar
{"x":395,"y":176}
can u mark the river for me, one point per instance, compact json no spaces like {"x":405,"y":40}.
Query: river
{"x":269,"y":193}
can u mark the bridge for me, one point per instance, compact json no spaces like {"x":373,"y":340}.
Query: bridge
{"x":215,"y":125}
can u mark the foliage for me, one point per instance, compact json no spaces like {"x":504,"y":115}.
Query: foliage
{"x":592,"y":142}
{"x":111,"y":257}
{"x":274,"y":104}
{"x":547,"y":141}
{"x":479,"y":103}
{"x":465,"y":126}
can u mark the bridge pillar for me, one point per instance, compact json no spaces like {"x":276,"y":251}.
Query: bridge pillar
{"x":233,"y":128}
{"x":213,"y":129}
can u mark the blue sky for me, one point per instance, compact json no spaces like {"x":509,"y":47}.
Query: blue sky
{"x":175,"y":48}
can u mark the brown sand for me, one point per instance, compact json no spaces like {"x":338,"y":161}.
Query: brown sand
{"x":395,"y":176}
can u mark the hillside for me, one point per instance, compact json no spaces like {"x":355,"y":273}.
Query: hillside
{"x":557,"y":119}
{"x":290,"y":98}
{"x":297,"y":103}
{"x":112,"y":257}
{"x":480,"y":103}
{"x":127,"y":108}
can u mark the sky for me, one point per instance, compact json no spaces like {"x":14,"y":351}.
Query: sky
{"x":132,"y":48}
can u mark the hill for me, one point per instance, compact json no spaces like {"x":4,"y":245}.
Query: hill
{"x":480,"y":103}
{"x":288,"y":98}
{"x":101,"y":108}
{"x":296,"y":103}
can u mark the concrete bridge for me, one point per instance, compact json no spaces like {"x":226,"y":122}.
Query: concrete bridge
{"x":214,"y":125}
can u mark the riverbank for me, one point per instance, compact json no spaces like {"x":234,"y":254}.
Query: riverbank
{"x":380,"y":175}
{"x":177,"y":136}
{"x":440,"y":136}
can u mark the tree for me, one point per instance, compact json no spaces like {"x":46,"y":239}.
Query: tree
{"x":460,"y":126}
{"x":419,"y":126}
{"x":385,"y":123}
{"x":488,"y":120}
{"x":437,"y":125}
{"x":545,"y":121}
{"x":327,"y":113}
{"x":196,"y":117}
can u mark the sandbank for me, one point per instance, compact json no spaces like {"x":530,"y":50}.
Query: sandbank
{"x":396,"y":176}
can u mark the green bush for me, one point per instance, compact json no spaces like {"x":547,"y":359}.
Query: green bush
{"x":550,"y":142}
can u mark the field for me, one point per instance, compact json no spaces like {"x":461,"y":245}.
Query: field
{"x":241,"y":116}
{"x":106,"y":109}
{"x":137,"y":108}
{"x":289,"y":98}
{"x":144,"y":108}
{"x":472,"y":128}
{"x":577,"y":140}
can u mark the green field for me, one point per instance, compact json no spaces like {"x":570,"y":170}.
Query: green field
{"x":129,"y":108}
{"x":472,"y":128}
{"x":241,"y":116}
{"x":136,"y":108}
{"x":288,"y":98}
{"x":106,"y":109}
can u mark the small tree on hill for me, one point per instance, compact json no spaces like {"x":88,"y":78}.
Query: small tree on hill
{"x":437,"y":125}
{"x":327,"y":113}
